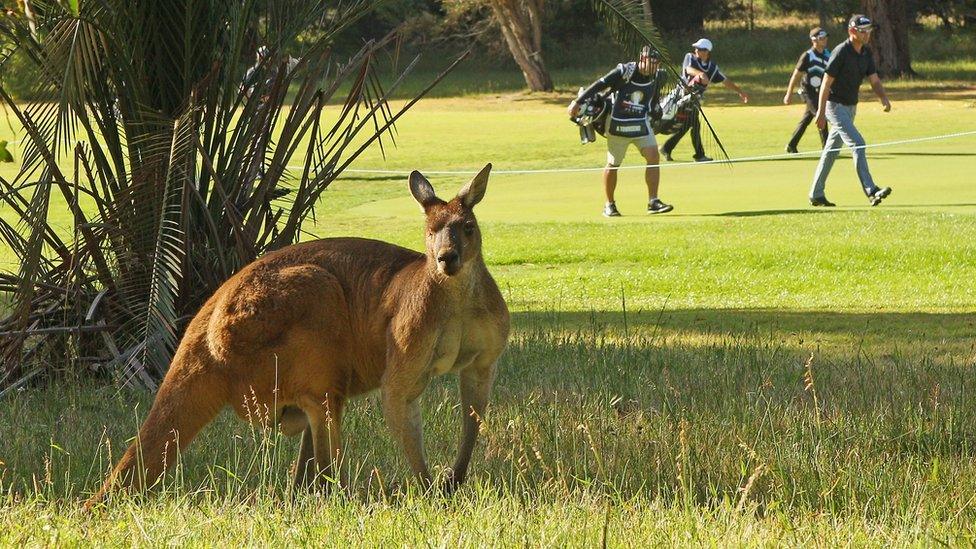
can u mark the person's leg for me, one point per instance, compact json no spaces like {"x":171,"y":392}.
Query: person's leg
{"x":801,"y":128}
{"x":616,"y":150}
{"x":798,"y":132}
{"x":696,"y":139}
{"x":672,"y":141}
{"x":827,"y":157}
{"x":652,"y":173}
{"x":609,"y":181}
{"x":652,"y":176}
{"x":852,"y":137}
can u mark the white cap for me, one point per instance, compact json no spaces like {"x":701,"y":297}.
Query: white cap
{"x":703,"y":44}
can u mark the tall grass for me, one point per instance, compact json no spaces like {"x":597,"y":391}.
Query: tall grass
{"x":731,"y":435}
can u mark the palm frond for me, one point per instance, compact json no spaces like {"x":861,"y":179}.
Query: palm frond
{"x":180,"y":166}
{"x":632,"y":25}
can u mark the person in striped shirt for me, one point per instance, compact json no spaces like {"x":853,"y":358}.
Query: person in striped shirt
{"x":635,"y":92}
{"x":698,"y":66}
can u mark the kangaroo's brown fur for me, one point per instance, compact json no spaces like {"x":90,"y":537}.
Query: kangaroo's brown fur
{"x":296,"y":333}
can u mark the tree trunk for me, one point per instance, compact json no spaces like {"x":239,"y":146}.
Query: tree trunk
{"x":822,"y":13}
{"x":521,"y":23}
{"x":890,"y":41}
{"x":648,"y":12}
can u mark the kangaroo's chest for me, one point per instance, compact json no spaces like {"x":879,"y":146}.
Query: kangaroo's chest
{"x":459,"y":342}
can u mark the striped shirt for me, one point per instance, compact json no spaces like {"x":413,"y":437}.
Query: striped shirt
{"x":710,"y":69}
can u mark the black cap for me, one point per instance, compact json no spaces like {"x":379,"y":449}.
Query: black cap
{"x":817,"y":32}
{"x":860,"y":22}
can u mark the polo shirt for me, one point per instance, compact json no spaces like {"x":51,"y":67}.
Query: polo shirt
{"x":848,"y":67}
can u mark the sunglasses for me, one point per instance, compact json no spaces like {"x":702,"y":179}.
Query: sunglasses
{"x":864,"y":31}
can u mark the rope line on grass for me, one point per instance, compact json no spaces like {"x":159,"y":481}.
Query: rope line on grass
{"x":740,"y":160}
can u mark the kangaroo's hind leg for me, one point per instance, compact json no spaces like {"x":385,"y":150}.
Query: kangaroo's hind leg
{"x":293,"y":421}
{"x":305,"y":466}
{"x":190,"y":397}
{"x":324,"y":436}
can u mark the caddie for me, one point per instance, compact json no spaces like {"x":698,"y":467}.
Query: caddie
{"x":810,"y":68}
{"x":635,"y":88}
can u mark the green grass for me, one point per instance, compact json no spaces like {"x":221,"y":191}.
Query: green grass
{"x":657,"y":363}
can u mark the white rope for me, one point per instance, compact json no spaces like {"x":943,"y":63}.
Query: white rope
{"x":668,"y":165}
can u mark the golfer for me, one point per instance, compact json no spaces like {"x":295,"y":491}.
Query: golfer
{"x":810,"y":67}
{"x":636,"y":89}
{"x":849,"y":64}
{"x":698,"y":65}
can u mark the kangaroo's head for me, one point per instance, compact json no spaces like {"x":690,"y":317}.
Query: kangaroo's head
{"x":453,"y":237}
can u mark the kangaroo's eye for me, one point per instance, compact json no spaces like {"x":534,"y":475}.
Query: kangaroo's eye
{"x":469,"y":228}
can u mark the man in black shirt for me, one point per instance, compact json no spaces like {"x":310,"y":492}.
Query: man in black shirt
{"x":810,"y":67}
{"x":849,"y":64}
{"x":636,"y":88}
{"x":699,"y":66}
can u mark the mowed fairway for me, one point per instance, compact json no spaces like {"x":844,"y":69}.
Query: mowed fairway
{"x":744,"y":370}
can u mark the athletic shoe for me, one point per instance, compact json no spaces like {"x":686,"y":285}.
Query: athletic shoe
{"x":702,"y":158}
{"x":878,"y":195}
{"x":791,"y":149}
{"x":610,"y":210}
{"x":657,"y":207}
{"x":822,"y":201}
{"x":667,"y":156}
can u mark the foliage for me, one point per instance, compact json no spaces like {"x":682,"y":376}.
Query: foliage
{"x":949,"y":12}
{"x":838,"y":9}
{"x":175,"y":173}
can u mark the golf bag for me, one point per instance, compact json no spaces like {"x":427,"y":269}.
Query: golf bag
{"x":592,"y":117}
{"x":679,"y":108}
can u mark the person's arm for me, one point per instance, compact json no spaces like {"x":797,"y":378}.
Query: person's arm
{"x":876,"y":84}
{"x":879,"y":90}
{"x":690,"y":72}
{"x":609,"y":80}
{"x":828,"y":81}
{"x":794,"y":80}
{"x":799,"y":71}
{"x":731,"y":85}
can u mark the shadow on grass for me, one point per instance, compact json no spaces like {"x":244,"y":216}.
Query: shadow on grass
{"x":762,"y":213}
{"x":882,"y":329}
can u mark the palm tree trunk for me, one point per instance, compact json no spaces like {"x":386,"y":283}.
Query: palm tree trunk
{"x":521,"y":23}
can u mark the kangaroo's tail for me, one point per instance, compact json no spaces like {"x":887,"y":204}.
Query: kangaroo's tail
{"x":190,"y":397}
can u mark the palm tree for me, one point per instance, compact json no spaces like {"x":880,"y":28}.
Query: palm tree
{"x":176,"y":171}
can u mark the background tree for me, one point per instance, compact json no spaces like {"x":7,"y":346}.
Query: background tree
{"x":521,"y":25}
{"x":890,"y":41}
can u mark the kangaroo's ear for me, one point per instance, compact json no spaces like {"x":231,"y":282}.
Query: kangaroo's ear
{"x":421,"y":189}
{"x":474,"y":191}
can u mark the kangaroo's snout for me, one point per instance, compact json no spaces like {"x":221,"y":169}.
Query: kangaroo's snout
{"x":449,"y":262}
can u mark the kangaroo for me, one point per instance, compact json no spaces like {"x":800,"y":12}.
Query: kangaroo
{"x":302,"y":329}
